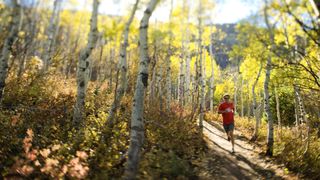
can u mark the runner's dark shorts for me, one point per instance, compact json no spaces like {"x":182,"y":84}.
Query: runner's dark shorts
{"x":228,"y":127}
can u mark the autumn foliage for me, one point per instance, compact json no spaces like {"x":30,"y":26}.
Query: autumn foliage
{"x":49,"y":147}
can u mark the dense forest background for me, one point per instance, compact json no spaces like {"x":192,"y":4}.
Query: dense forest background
{"x":89,"y":95}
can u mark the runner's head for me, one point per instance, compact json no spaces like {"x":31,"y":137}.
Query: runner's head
{"x":226,"y":97}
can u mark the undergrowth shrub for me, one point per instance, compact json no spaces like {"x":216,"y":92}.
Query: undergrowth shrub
{"x":173,"y":141}
{"x":50,"y":162}
{"x":42,"y":106}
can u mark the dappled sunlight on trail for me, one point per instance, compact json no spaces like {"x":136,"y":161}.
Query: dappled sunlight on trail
{"x":245,"y":163}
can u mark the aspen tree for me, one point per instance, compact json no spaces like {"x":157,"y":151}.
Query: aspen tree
{"x":168,"y":59}
{"x":153,"y":83}
{"x":248,"y":102}
{"x":188,"y":56}
{"x":8,"y":43}
{"x":235,"y":93}
{"x":241,"y":97}
{"x":137,"y":124}
{"x":122,"y":67}
{"x":302,"y":114}
{"x":76,"y":43}
{"x":255,"y":107}
{"x":183,"y":56}
{"x":270,"y":138}
{"x":181,"y":78}
{"x":201,"y":70}
{"x":278,"y":111}
{"x":211,"y":93}
{"x":51,"y":33}
{"x":83,"y":67}
{"x":159,"y":88}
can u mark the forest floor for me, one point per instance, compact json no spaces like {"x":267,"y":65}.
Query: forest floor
{"x":246,"y":163}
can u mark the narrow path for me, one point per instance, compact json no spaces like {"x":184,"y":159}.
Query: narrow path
{"x":245,"y":163}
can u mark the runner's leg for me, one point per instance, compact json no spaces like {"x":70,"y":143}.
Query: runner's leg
{"x":232,"y":138}
{"x":227,"y":130}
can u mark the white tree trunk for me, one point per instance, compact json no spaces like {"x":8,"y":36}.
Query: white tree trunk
{"x":153,"y":84}
{"x":188,"y":56}
{"x":256,"y":112}
{"x":111,"y":64}
{"x":204,"y":74}
{"x":100,"y":63}
{"x":159,"y":88}
{"x":23,"y":57}
{"x":267,"y":109}
{"x":302,"y":114}
{"x":187,"y":78}
{"x":168,"y":82}
{"x":296,"y":107}
{"x":270,"y":136}
{"x":211,"y":93}
{"x":181,"y":79}
{"x":137,"y":124}
{"x":241,"y":97}
{"x":154,"y":65}
{"x":193,"y":90}
{"x":83,"y":67}
{"x":248,"y":102}
{"x":168,"y":61}
{"x":122,"y":67}
{"x":51,"y":34}
{"x":28,"y":41}
{"x":201,"y":71}
{"x":183,"y":57}
{"x":67,"y":53}
{"x":235,"y":95}
{"x":278,"y":112}
{"x":7,"y":46}
{"x":76,"y":43}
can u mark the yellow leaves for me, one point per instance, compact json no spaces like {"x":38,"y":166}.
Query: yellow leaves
{"x":157,"y":165}
{"x":21,"y":34}
{"x":54,"y":128}
{"x":178,"y":12}
{"x":175,"y":64}
{"x":226,"y":86}
{"x":109,"y":164}
{"x":35,"y":63}
{"x":206,"y":36}
{"x":73,"y":2}
{"x":2,"y":6}
{"x":113,"y":28}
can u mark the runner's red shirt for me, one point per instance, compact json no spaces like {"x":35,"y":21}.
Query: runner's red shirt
{"x":227,"y":117}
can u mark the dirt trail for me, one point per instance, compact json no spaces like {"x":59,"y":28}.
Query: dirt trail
{"x":245,"y":163}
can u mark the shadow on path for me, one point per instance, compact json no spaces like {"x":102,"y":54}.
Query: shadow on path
{"x":224,"y":137}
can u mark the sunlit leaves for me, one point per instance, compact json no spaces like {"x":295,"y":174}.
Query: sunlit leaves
{"x":226,"y":86}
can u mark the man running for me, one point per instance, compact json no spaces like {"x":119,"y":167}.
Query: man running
{"x":226,"y":108}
